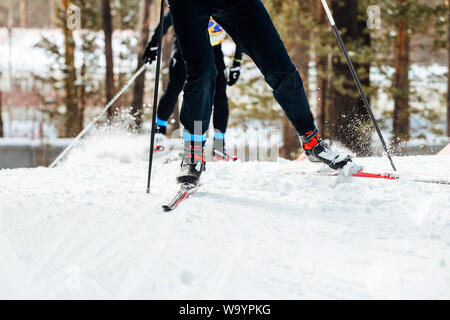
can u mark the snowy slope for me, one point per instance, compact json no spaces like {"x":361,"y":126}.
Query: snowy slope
{"x":87,"y":229}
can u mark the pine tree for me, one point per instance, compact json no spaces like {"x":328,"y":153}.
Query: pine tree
{"x":72,"y":118}
{"x":401,"y":81}
{"x":403,"y":20}
{"x":438,"y":23}
{"x":78,"y":84}
{"x":109,"y":79}
{"x":321,"y":54}
{"x":348,"y":118}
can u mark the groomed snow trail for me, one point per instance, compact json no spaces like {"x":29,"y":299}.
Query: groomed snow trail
{"x":87,"y":229}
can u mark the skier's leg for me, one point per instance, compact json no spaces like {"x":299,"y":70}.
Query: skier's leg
{"x":191,"y":27}
{"x":177,"y":77}
{"x":251,"y":27}
{"x":220,"y":112}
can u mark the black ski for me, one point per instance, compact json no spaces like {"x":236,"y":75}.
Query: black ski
{"x":185,"y":191}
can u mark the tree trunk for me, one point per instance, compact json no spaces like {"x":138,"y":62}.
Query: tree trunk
{"x":82,"y":95}
{"x":23,"y":13}
{"x":401,"y":82}
{"x":71,"y":121}
{"x":322,"y":77}
{"x":1,"y":118}
{"x":109,"y":81}
{"x":448,"y":80}
{"x":347,"y":116}
{"x":138,"y":92}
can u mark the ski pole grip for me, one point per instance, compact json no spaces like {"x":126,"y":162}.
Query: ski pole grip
{"x":327,"y":10}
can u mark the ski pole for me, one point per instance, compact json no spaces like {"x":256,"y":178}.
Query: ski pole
{"x":155,"y":96}
{"x":97,"y":117}
{"x":356,"y":78}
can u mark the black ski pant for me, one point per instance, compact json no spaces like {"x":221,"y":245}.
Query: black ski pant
{"x":251,"y":28}
{"x":177,"y":78}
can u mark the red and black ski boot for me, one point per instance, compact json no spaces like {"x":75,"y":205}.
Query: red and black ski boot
{"x":317,"y":150}
{"x":193,"y":163}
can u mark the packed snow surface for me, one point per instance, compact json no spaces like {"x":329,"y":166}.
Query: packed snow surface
{"x":262,"y":230}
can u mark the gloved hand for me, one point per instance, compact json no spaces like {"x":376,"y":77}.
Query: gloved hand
{"x":150,"y":53}
{"x":235,"y":72}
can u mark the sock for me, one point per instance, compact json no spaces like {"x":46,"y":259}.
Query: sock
{"x":313,"y":141}
{"x":219,"y":141}
{"x":193,"y":147}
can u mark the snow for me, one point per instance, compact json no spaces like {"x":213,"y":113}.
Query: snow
{"x":261,"y":230}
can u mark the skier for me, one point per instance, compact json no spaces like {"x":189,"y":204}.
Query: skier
{"x":177,"y":78}
{"x":250,"y":26}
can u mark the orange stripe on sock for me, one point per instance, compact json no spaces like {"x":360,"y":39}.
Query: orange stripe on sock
{"x":312,"y":143}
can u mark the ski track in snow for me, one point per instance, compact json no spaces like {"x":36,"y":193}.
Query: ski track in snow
{"x":254,"y":230}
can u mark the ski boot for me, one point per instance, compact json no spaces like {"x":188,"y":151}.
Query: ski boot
{"x":317,"y":150}
{"x":219,"y":153}
{"x":193,"y":163}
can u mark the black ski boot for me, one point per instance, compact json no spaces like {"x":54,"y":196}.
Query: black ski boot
{"x":317,"y":150}
{"x":193,"y":163}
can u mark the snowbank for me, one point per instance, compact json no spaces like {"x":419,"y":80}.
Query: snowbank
{"x":87,"y":229}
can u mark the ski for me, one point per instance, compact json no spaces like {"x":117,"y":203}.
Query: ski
{"x":185,"y":191}
{"x":389,"y":176}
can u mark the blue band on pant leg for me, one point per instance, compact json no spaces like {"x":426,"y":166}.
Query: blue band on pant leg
{"x":160,"y":122}
{"x":193,"y":137}
{"x":219,"y":135}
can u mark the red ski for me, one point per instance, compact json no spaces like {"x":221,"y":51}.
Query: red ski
{"x":391,"y":176}
{"x":387,"y":176}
